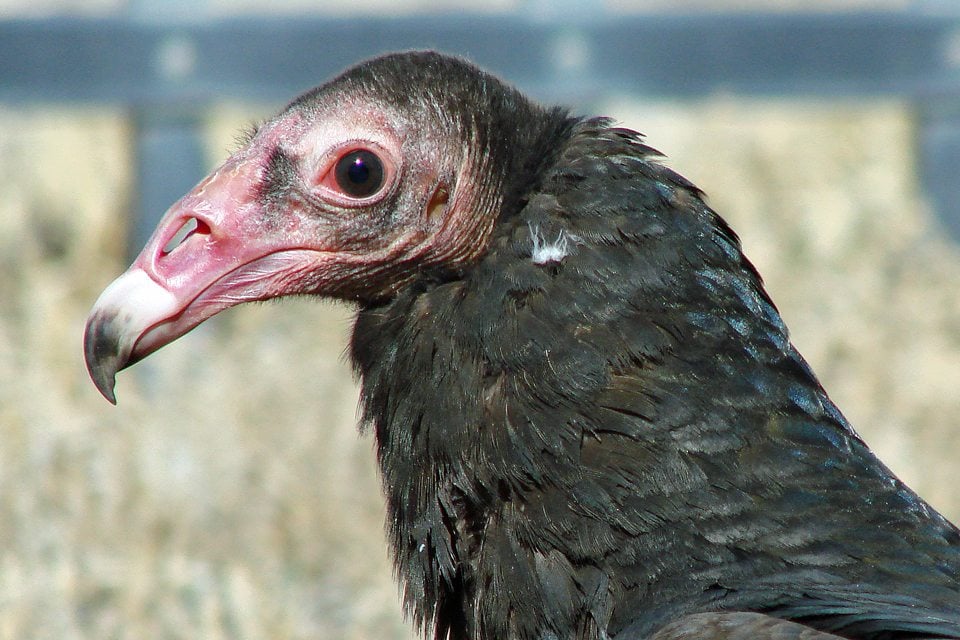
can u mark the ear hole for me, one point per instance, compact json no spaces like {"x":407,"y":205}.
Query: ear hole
{"x":438,"y":203}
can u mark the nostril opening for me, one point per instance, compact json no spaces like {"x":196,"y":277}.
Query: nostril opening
{"x":187,"y":229}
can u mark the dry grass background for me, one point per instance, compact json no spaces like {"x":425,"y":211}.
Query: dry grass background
{"x":228,"y":495}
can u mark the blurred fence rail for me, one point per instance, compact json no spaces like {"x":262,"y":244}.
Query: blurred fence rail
{"x":169,"y":70}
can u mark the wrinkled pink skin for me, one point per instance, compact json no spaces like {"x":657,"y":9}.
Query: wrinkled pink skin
{"x":229,"y":258}
{"x":312,"y":238}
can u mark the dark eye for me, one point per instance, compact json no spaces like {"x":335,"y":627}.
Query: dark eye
{"x":359,"y":173}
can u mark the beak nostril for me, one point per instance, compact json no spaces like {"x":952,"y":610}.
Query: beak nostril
{"x":187,"y":229}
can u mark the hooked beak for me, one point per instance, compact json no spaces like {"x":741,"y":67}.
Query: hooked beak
{"x":120,"y":316}
{"x":212,"y":250}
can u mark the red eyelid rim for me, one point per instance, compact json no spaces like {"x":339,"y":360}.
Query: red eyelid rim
{"x":326,"y":183}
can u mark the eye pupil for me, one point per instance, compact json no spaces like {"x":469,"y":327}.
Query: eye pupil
{"x":359,"y":173}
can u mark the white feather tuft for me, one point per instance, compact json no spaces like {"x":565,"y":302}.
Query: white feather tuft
{"x":549,"y":252}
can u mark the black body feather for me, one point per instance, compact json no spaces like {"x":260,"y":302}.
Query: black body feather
{"x":595,"y":440}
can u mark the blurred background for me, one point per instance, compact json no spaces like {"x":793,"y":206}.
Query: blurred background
{"x":229,"y":495}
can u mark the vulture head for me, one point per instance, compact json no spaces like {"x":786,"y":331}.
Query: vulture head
{"x":393,"y":173}
{"x":589,"y":418}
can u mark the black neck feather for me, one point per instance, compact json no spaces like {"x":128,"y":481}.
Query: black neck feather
{"x":589,"y":440}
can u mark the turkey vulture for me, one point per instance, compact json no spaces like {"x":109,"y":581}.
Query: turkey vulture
{"x":589,"y":419}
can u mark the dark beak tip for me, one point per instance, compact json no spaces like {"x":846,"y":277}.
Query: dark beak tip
{"x":102,"y":359}
{"x":105,"y":385}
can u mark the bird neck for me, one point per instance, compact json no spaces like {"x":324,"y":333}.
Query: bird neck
{"x":569,"y":432}
{"x":416,"y":378}
{"x":497,"y":404}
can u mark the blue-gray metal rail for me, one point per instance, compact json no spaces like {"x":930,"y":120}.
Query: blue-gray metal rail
{"x":168,"y":71}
